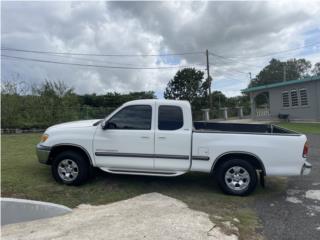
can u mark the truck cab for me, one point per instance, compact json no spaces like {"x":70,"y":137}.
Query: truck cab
{"x":146,"y":135}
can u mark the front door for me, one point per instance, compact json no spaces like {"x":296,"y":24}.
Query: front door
{"x":128,"y":141}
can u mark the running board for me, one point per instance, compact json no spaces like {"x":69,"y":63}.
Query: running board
{"x":146,"y":173}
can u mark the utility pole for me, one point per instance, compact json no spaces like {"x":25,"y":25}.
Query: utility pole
{"x":209,"y":79}
{"x":250,"y":76}
{"x":284,"y":72}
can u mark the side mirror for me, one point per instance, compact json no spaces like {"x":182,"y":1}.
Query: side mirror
{"x":108,"y":125}
{"x":104,"y":125}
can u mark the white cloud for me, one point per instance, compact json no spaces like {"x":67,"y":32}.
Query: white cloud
{"x":227,"y":28}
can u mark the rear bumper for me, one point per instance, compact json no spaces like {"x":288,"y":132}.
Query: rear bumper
{"x":43,"y":153}
{"x":306,"y":169}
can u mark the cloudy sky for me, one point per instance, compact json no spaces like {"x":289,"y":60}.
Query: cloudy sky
{"x":244,"y":35}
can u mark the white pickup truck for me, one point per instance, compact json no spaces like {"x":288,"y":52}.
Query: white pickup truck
{"x":159,"y":138}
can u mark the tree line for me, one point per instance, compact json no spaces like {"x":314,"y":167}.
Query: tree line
{"x":39,"y":106}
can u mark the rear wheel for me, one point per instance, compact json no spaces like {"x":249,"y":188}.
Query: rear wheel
{"x":237,"y":177}
{"x":70,"y":168}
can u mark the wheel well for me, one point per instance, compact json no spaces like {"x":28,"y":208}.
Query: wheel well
{"x":252,"y":159}
{"x":62,"y":148}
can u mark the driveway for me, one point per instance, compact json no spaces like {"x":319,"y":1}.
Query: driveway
{"x":295,"y":214}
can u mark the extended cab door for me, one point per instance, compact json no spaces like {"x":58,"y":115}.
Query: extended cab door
{"x":172,"y":137}
{"x":128,"y":141}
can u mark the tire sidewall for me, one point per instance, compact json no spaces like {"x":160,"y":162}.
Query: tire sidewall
{"x":83,"y":167}
{"x":241,"y":163}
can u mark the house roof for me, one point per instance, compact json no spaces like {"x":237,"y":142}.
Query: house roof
{"x":280,"y":84}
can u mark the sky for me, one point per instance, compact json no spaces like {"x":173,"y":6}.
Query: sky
{"x":241,"y":37}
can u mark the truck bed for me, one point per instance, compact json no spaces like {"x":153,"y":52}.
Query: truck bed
{"x":202,"y":126}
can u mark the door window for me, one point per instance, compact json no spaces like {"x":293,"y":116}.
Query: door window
{"x":136,"y":117}
{"x":170,"y":118}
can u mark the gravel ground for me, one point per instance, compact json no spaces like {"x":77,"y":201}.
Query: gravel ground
{"x":295,"y":214}
{"x":149,"y":216}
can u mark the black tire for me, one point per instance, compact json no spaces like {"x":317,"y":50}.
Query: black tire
{"x":82,"y":165}
{"x":249,"y":183}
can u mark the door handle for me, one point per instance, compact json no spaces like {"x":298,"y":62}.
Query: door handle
{"x":145,"y":137}
{"x":161,"y":137}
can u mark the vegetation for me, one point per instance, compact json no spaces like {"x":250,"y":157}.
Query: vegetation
{"x":24,"y":177}
{"x":41,"y":106}
{"x":301,"y":127}
{"x":187,"y":84}
{"x":26,"y":107}
{"x":316,"y":69}
{"x":293,"y":68}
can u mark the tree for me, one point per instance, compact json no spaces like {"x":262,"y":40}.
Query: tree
{"x":274,"y":72}
{"x":113,"y":99}
{"x":187,"y":84}
{"x":316,"y":69}
{"x":56,"y":101}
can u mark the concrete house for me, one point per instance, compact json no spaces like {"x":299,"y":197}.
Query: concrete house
{"x":297,"y":99}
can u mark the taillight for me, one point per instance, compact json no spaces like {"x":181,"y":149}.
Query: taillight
{"x":305,"y":150}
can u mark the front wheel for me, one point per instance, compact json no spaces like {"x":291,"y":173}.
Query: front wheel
{"x":70,"y":168}
{"x":237,"y":177}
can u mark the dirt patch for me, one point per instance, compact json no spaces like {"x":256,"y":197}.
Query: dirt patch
{"x":148,"y":216}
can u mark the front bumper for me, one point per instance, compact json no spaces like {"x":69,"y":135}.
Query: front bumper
{"x":43,"y":153}
{"x":306,"y":168}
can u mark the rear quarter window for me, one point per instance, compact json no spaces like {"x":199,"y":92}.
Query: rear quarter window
{"x":170,"y":118}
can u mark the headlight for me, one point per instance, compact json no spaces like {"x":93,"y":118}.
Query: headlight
{"x":44,"y":137}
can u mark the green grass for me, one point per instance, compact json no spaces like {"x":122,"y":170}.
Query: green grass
{"x":301,"y":127}
{"x":24,"y":177}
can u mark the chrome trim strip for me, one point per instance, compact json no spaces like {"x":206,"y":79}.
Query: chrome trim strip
{"x":201,"y":158}
{"x":142,"y":155}
{"x":182,"y":157}
{"x":147,"y":172}
{"x":115,"y":154}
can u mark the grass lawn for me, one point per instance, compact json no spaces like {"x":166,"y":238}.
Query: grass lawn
{"x":24,"y":177}
{"x":301,"y":127}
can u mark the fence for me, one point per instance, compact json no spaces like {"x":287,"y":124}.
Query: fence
{"x":233,"y":112}
{"x":262,"y":112}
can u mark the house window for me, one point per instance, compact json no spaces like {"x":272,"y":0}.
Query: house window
{"x":294,"y":98}
{"x":285,"y":99}
{"x":303,"y":97}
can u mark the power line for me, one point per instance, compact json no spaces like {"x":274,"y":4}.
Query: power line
{"x":91,"y":65}
{"x":233,"y":74}
{"x":102,"y":55}
{"x":273,"y":53}
{"x":96,"y":60}
{"x":234,"y":70}
{"x":108,"y":62}
{"x":101,"y":61}
{"x":234,"y":61}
